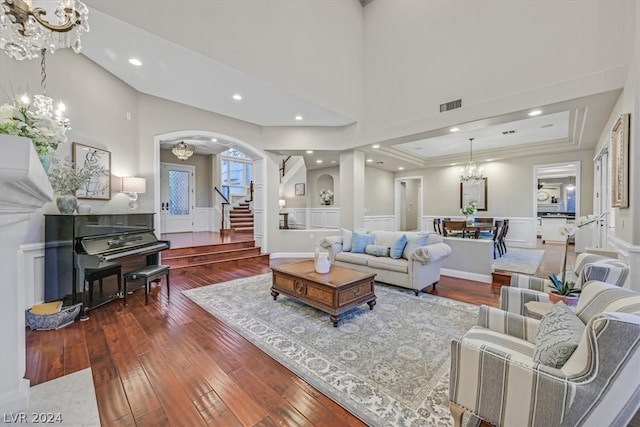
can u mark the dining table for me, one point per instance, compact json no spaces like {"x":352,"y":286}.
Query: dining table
{"x":475,"y":228}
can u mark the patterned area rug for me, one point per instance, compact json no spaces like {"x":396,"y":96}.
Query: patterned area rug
{"x":388,"y":366}
{"x":519,"y":260}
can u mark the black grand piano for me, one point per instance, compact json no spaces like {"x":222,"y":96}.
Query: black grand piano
{"x":75,"y":244}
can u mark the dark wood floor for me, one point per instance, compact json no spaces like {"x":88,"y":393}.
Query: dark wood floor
{"x":171,"y":363}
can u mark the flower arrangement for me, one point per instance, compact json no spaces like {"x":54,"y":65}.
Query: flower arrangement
{"x":17,"y":118}
{"x":469,"y":209}
{"x":326,"y":196}
{"x":65,"y":179}
{"x":562,"y":286}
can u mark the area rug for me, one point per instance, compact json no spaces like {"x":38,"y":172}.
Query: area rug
{"x":388,"y":366}
{"x":519,"y":260}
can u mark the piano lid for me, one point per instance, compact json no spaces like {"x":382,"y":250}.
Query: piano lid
{"x":112,"y":243}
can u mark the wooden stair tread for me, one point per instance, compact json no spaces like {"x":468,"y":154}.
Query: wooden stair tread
{"x":259,"y":257}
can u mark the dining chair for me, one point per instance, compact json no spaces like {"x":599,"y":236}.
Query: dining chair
{"x":502,"y":246}
{"x":437,"y":225}
{"x":453,"y":228}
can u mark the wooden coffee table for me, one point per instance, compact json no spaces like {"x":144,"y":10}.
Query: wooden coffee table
{"x":335,"y":292}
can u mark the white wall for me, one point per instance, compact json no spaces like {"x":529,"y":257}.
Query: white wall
{"x":497,"y":56}
{"x":312,"y":49}
{"x":378,"y":192}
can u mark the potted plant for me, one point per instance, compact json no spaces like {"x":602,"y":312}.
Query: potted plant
{"x":17,"y":118}
{"x":469,"y":210}
{"x":66,"y":180}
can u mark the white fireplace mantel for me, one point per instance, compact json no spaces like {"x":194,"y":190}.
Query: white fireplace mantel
{"x":24,"y":187}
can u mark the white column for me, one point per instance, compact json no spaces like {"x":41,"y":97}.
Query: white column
{"x":24,"y":187}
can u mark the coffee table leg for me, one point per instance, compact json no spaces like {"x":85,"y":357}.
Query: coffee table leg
{"x":274,"y":294}
{"x":335,"y":320}
{"x":371,"y":304}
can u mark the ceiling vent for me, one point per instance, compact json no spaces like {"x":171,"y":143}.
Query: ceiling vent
{"x":451,"y":105}
{"x":508,"y":132}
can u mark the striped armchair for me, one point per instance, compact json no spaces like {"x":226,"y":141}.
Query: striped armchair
{"x":524,"y":288}
{"x":494,"y":376}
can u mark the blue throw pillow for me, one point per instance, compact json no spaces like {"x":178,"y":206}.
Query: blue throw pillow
{"x":413,"y":243}
{"x":397,"y":247}
{"x":360,"y":241}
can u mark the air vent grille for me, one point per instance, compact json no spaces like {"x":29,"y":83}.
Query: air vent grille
{"x":508,"y":132}
{"x":451,"y":105}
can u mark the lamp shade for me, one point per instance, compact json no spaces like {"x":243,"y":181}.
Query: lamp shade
{"x":281,"y":203}
{"x":134,"y":184}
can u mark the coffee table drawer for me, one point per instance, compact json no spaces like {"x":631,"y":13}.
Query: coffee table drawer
{"x":357,"y":292}
{"x":283,"y":282}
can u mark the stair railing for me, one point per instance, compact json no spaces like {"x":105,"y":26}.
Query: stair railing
{"x":225,"y":222}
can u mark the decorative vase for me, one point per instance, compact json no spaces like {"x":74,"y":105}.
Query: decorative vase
{"x":470,"y":219}
{"x":322,"y":263}
{"x":83,"y":208}
{"x":45,"y":159}
{"x":568,"y":300}
{"x":67,"y":204}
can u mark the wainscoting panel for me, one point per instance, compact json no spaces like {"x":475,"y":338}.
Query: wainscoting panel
{"x":522,"y":230}
{"x":203,"y":219}
{"x":31,"y":272}
{"x":631,"y":255}
{"x":324,"y":217}
{"x":379,"y":222}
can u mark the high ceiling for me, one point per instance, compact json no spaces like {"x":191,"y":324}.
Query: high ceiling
{"x":571,"y":125}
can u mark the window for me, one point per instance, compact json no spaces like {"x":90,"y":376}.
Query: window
{"x":236,"y":172}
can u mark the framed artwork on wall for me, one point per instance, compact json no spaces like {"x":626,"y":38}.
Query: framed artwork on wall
{"x":620,"y":163}
{"x":300,"y":189}
{"x":474,"y":191}
{"x":99,"y":185}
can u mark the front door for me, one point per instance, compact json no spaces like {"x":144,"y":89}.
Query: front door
{"x":177,"y":196}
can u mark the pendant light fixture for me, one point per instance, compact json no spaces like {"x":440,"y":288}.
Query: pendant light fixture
{"x":471,"y":173}
{"x":182,"y":151}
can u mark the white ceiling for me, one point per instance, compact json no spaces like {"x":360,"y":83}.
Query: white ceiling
{"x":169,"y":71}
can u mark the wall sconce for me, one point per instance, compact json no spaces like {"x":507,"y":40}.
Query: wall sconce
{"x":281,"y":203}
{"x":133,"y":185}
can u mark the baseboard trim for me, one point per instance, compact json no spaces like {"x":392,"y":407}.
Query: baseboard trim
{"x":476,"y":277}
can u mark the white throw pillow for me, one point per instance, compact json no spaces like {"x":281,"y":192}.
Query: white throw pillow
{"x":347,"y":237}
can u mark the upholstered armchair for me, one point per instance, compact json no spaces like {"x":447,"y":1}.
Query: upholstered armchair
{"x":524,"y":288}
{"x":500,"y":369}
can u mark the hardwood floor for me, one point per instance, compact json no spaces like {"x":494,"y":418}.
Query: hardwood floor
{"x":171,"y":363}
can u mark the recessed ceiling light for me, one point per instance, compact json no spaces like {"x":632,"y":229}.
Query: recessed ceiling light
{"x":535,"y":112}
{"x":135,"y":61}
{"x":375,"y":146}
{"x":401,"y":168}
{"x":214,"y":139}
{"x":489,"y":160}
{"x":454,"y":129}
{"x":453,"y":164}
{"x":309,"y":151}
{"x":319,"y":161}
{"x":298,"y":117}
{"x":237,"y":96}
{"x":333,"y":161}
{"x":369,"y":160}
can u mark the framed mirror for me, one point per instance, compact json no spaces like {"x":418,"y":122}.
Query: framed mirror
{"x":474,"y":191}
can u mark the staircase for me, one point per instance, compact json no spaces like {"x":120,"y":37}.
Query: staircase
{"x":241,"y":218}
{"x":201,"y":260}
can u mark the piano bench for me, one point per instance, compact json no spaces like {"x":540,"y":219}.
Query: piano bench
{"x":147,"y":274}
{"x":93,"y":274}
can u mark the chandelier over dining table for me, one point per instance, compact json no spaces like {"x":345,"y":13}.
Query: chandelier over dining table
{"x":471,"y":172}
{"x":26,"y":30}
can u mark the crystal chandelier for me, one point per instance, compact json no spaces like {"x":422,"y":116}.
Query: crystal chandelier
{"x":182,"y":150}
{"x":471,"y":172}
{"x":24,"y":32}
{"x":44,"y":104}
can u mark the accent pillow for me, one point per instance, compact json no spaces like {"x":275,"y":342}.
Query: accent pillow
{"x":376,"y":250}
{"x":557,"y":337}
{"x":347,"y":237}
{"x":397,"y":247}
{"x":360,"y":241}
{"x":414,"y":242}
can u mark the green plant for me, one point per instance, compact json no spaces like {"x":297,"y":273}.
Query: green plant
{"x":65,"y":178}
{"x":18,"y":119}
{"x":562,"y":288}
{"x":469,"y":209}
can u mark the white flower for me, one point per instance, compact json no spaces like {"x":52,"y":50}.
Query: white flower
{"x":568,"y":230}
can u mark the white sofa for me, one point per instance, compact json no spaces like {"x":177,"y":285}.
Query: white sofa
{"x":419,"y":270}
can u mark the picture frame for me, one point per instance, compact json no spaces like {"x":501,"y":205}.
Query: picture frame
{"x":620,"y":162}
{"x":471,"y":191}
{"x":98,"y":187}
{"x":299,"y":188}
